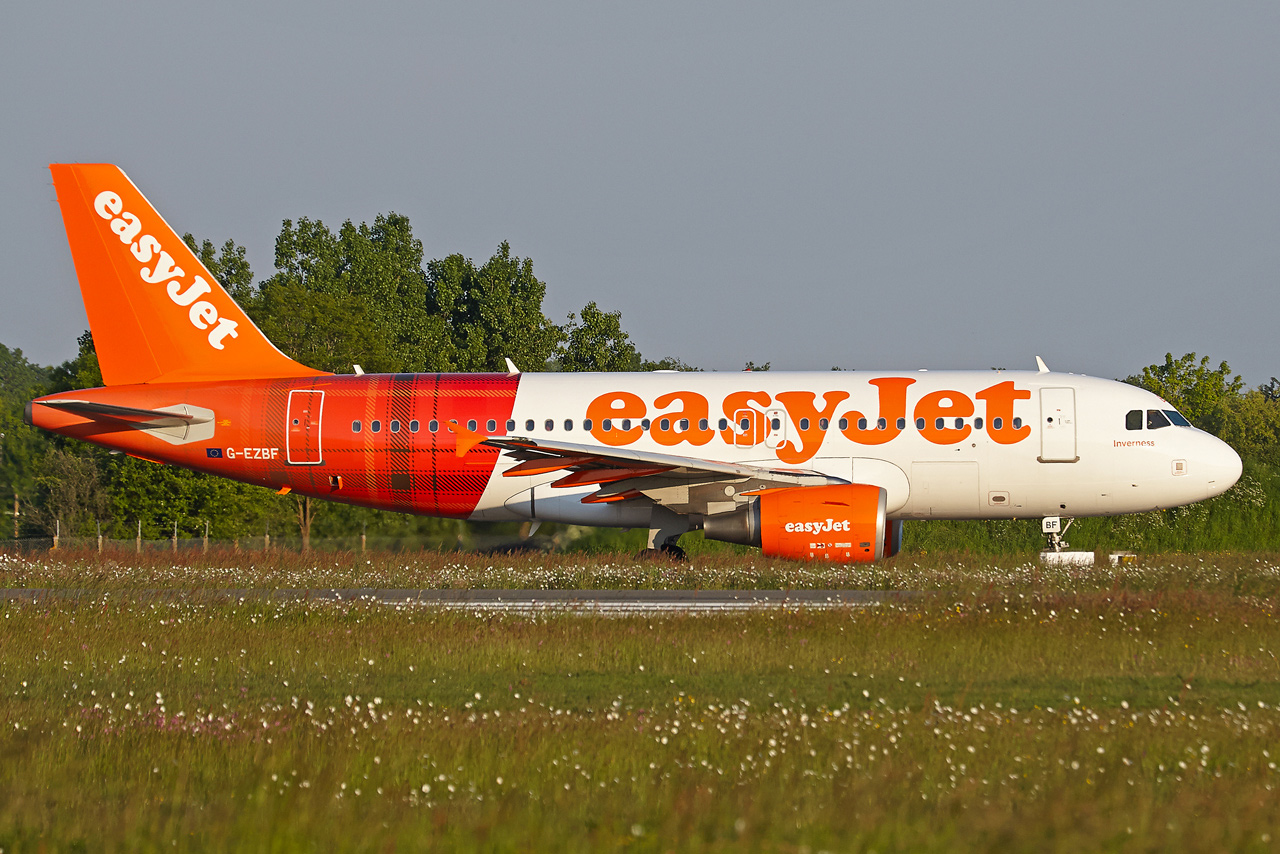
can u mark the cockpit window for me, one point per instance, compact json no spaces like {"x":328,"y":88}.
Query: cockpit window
{"x":1133,"y":421}
{"x":1176,"y":417}
{"x":1157,"y":419}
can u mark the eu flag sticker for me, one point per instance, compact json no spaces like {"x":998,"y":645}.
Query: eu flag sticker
{"x":213,"y":453}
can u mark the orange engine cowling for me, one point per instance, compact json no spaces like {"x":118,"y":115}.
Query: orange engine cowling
{"x":844,"y":522}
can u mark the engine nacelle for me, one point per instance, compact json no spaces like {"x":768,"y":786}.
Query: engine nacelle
{"x":844,"y":522}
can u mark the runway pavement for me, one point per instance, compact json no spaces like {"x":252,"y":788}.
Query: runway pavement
{"x":488,"y":601}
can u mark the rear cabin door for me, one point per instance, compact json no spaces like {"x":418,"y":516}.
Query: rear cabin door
{"x":1058,"y":425}
{"x":302,"y":429}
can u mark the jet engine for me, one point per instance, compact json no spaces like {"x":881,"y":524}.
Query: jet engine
{"x":843,"y":522}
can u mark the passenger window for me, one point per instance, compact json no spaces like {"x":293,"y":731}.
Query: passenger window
{"x":471,"y":425}
{"x":433,"y":425}
{"x":511,"y":426}
{"x":862,"y":424}
{"x":626,"y":424}
{"x":1017,"y":423}
{"x":1176,"y":418}
{"x":745,"y":425}
{"x":395,"y":426}
{"x":843,"y":423}
{"x":1156,"y":419}
{"x":568,"y":424}
{"x":664,"y":424}
{"x":724,"y":423}
{"x":902,"y":423}
{"x":586,"y":425}
{"x":775,"y":424}
{"x":823,"y":424}
{"x":702,"y":424}
{"x":549,"y":425}
{"x":882,"y":424}
{"x":645,"y":423}
{"x":997,"y":423}
{"x":977,"y":423}
{"x":959,"y":423}
{"x":606,"y":424}
{"x":413,"y":426}
{"x":491,"y":426}
{"x":1133,"y":421}
{"x":919,"y":423}
{"x":684,"y":424}
{"x":939,"y":423}
{"x":804,"y":423}
{"x":528,"y":426}
{"x":356,"y":426}
{"x":375,"y":426}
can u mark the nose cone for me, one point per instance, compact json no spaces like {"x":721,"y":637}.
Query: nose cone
{"x":1218,"y":464}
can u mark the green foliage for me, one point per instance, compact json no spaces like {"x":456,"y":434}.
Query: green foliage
{"x":752,"y":366}
{"x":490,"y":313}
{"x":596,"y":342}
{"x":20,"y":446}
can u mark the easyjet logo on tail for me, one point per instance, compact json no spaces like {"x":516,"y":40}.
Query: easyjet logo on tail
{"x":160,"y":269}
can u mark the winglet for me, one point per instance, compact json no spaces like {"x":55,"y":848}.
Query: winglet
{"x":156,"y":312}
{"x":1041,"y":366}
{"x":512,"y":370}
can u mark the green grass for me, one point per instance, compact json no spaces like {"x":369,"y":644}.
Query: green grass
{"x":1127,"y":709}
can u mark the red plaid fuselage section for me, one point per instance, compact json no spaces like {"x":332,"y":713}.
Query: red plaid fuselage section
{"x":382,"y":440}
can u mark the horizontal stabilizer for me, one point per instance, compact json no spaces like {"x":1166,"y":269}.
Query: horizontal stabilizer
{"x":149,"y":418}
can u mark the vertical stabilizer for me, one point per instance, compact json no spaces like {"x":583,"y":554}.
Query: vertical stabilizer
{"x":156,"y":313}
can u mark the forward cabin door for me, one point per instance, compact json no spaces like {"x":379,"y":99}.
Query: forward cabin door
{"x":302,"y":428}
{"x":1058,"y":425}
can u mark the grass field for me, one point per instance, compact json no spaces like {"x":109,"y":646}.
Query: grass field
{"x":1010,"y":708}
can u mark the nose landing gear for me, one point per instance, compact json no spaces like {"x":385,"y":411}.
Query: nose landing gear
{"x":1053,"y":529}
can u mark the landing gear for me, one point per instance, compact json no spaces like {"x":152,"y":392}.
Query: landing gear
{"x":665,"y":528}
{"x":1053,"y":529}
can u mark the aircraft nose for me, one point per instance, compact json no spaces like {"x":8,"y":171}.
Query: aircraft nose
{"x":1219,"y":465}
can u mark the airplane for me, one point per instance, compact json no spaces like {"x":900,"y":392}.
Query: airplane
{"x":805,"y":465}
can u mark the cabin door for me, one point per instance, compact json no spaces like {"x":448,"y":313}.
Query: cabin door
{"x":1058,"y":425}
{"x":302,"y":428}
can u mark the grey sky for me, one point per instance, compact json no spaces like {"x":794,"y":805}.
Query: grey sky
{"x":870,"y":185}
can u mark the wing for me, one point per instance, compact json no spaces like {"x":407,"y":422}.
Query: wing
{"x":685,"y":485}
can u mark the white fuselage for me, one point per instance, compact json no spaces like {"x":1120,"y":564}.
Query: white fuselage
{"x":949,"y":445}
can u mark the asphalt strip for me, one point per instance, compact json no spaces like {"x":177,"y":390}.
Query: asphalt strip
{"x":489,"y":601}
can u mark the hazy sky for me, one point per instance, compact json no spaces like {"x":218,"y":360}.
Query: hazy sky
{"x":869,"y":185}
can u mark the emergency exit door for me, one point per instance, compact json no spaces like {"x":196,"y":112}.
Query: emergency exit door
{"x":302,"y":428}
{"x":1058,"y":425}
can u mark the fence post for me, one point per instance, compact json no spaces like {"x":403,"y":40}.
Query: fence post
{"x":266,"y":538}
{"x":138,"y":542}
{"x":364,"y":529}
{"x":99,"y":537}
{"x":57,"y":532}
{"x":206,"y":536}
{"x":175,"y":536}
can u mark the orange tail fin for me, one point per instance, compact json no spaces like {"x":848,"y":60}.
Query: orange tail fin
{"x":156,"y":313}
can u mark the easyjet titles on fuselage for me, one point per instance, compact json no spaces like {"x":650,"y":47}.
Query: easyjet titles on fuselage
{"x":146,"y":249}
{"x":618,"y":418}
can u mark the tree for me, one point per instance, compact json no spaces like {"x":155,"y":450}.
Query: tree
{"x":596,"y":343}
{"x":752,"y":366}
{"x":1198,"y":391}
{"x":490,"y":314}
{"x":21,"y":447}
